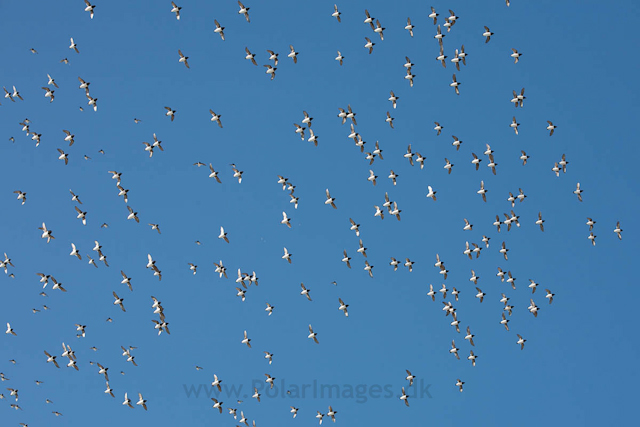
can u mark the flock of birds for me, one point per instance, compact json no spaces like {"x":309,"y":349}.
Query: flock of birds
{"x":305,"y":131}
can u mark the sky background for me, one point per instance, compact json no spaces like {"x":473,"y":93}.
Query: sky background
{"x":579,"y":362}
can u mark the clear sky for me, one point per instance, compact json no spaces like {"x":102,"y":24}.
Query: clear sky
{"x":577,"y":66}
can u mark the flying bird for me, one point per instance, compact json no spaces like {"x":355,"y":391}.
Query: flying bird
{"x":184,"y":60}
{"x":243,"y":11}
{"x":175,"y":9}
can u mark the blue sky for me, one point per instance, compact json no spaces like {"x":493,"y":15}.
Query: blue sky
{"x":577,"y":364}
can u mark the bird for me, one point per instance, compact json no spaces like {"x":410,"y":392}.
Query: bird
{"x":246,"y":340}
{"x":84,"y":85}
{"x":472,"y":357}
{"x":563,"y":162}
{"x":474,"y":278}
{"x":118,"y":301}
{"x":361,"y":249}
{"x":487,"y":33}
{"x":505,"y":322}
{"x":10,"y":330}
{"x":63,"y":156}
{"x":184,"y":60}
{"x":171,"y":113}
{"x":394,"y":99}
{"x":409,"y":77}
{"x":287,"y":255}
{"x":82,"y":215}
{"x":483,"y":193}
{"x":89,"y":8}
{"x":504,"y":251}
{"x":618,"y":230}
{"x":343,"y":307}
{"x":369,"y":45}
{"x":250,"y":56}
{"x":372,"y":177}
{"x":354,"y":227}
{"x":51,"y":359}
{"x":454,"y":350}
{"x":176,"y":9}
{"x":243,"y":419}
{"x":285,"y":220}
{"x":369,"y":19}
{"x":336,"y":14}
{"x":339,"y":58}
{"x":73,"y":45}
{"x":305,"y":291}
{"x":443,"y":271}
{"x":21,"y":196}
{"x":193,"y":267}
{"x":432,"y":293}
{"x":237,"y":173}
{"x":243,"y":11}
{"x":492,"y":164}
{"x":46,"y":234}
{"x":133,"y":215}
{"x":455,"y":84}
{"x":448,"y":166}
{"x":103,"y":371}
{"x":293,"y":54}
{"x":330,"y":200}
{"x":514,"y":125}
{"x":515,"y":55}
{"x":123,"y":192}
{"x":404,"y":397}
{"x":389,"y":120}
{"x":469,"y":336}
{"x":217,"y":404}
{"x":126,"y":280}
{"x":378,"y":29}
{"x":432,"y":193}
{"x":256,"y":395}
{"x":393,"y":176}
{"x":219,"y":29}
{"x":216,"y":382}
{"x":520,"y":98}
{"x":272,"y":70}
{"x":409,"y":27}
{"x":549,"y":295}
{"x":578,"y":191}
{"x":313,"y":335}
{"x":439,"y":36}
{"x":551,"y":128}
{"x":332,"y":414}
{"x":459,"y":384}
{"x":409,"y":264}
{"x":8,"y":94}
{"x":346,"y":258}
{"x":442,"y":57}
{"x":533,"y":308}
{"x":524,"y":157}
{"x":521,"y":341}
{"x":540,"y":221}
{"x":127,"y":401}
{"x":16,"y":94}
